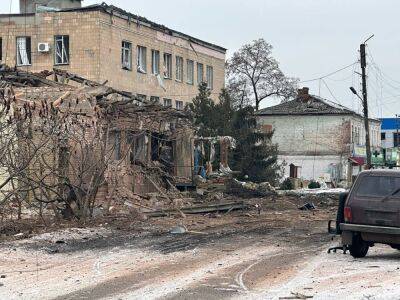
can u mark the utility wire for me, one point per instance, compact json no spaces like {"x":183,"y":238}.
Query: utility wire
{"x":330,"y":74}
{"x":324,"y":82}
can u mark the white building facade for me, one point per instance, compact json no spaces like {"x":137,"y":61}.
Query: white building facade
{"x":318,"y":139}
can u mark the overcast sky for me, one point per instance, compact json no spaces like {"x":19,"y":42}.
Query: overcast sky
{"x":311,"y":38}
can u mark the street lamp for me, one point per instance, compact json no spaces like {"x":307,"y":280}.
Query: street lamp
{"x":353,"y":90}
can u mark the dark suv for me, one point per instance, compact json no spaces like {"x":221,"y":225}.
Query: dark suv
{"x":370,"y":212}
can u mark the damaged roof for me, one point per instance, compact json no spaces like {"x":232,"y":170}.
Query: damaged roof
{"x":308,"y":105}
{"x":119,"y":12}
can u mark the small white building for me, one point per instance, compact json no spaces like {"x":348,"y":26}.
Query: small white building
{"x":318,"y":139}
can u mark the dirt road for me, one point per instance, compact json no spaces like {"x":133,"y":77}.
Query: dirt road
{"x":274,"y":255}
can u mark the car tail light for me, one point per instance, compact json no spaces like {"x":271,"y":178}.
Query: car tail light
{"x":348,"y":217}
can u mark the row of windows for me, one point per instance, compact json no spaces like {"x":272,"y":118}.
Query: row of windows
{"x":62,"y":56}
{"x":167,"y":72}
{"x":24,"y":50}
{"x":166,"y":101}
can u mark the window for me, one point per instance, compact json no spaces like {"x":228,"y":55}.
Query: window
{"x":179,"y":104}
{"x":1,"y":49}
{"x":179,"y":68}
{"x":378,"y":186}
{"x":190,"y":71}
{"x":167,"y":102}
{"x":200,"y":73}
{"x":24,"y":53}
{"x":210,"y":77}
{"x":396,"y":139}
{"x":154,"y":99}
{"x":155,"y":62}
{"x":61,"y":43}
{"x":141,"y":59}
{"x":126,"y":56}
{"x":167,"y":66}
{"x":141,"y":97}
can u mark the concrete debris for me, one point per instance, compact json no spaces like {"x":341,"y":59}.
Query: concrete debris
{"x":252,"y":188}
{"x":307,"y":206}
{"x":180,"y":229}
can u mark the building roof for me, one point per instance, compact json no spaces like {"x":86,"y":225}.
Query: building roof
{"x":390,"y":123}
{"x":314,"y":105}
{"x":309,"y":105}
{"x":116,"y":11}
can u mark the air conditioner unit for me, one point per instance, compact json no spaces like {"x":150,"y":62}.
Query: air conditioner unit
{"x":43,"y":47}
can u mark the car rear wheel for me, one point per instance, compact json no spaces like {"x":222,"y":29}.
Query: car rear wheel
{"x":359,"y":248}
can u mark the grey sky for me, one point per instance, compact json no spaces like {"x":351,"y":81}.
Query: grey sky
{"x":311,"y":38}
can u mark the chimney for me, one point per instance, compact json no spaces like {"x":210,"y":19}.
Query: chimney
{"x":303,"y":94}
{"x":30,"y":6}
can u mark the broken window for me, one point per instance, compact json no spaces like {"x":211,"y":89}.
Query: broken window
{"x":190,"y":71}
{"x":210,"y":77}
{"x":24,"y":52}
{"x":154,"y":99}
{"x":141,"y":97}
{"x":179,"y":104}
{"x":138,"y":150}
{"x":167,"y":66}
{"x":126,"y":55}
{"x":141,"y":59}
{"x":155,"y":62}
{"x":61,"y":43}
{"x":179,"y":68}
{"x":167,"y":102}
{"x":200,"y":73}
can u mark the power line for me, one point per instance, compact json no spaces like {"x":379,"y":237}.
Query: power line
{"x":331,"y":92}
{"x":330,"y":74}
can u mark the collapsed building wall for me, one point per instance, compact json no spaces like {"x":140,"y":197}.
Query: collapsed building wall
{"x":96,"y":140}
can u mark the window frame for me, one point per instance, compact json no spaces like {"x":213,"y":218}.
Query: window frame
{"x":180,"y":106}
{"x":200,"y":66}
{"x":210,"y":73}
{"x":165,"y":100}
{"x":141,"y":59}
{"x":190,"y":73}
{"x":155,"y":99}
{"x":155,"y":62}
{"x":28,"y":50}
{"x":64,"y":50}
{"x":179,"y":68}
{"x":167,"y":66}
{"x":123,"y":55}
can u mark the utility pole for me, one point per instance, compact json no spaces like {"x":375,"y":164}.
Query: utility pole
{"x":363,"y":62}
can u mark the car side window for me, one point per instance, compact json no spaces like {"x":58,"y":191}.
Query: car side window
{"x":378,"y":186}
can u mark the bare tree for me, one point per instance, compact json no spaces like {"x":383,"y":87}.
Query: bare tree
{"x":256,"y":73}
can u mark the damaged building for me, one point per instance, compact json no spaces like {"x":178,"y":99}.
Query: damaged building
{"x":89,"y":143}
{"x":318,"y":139}
{"x":105,"y":43}
{"x":92,"y":139}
